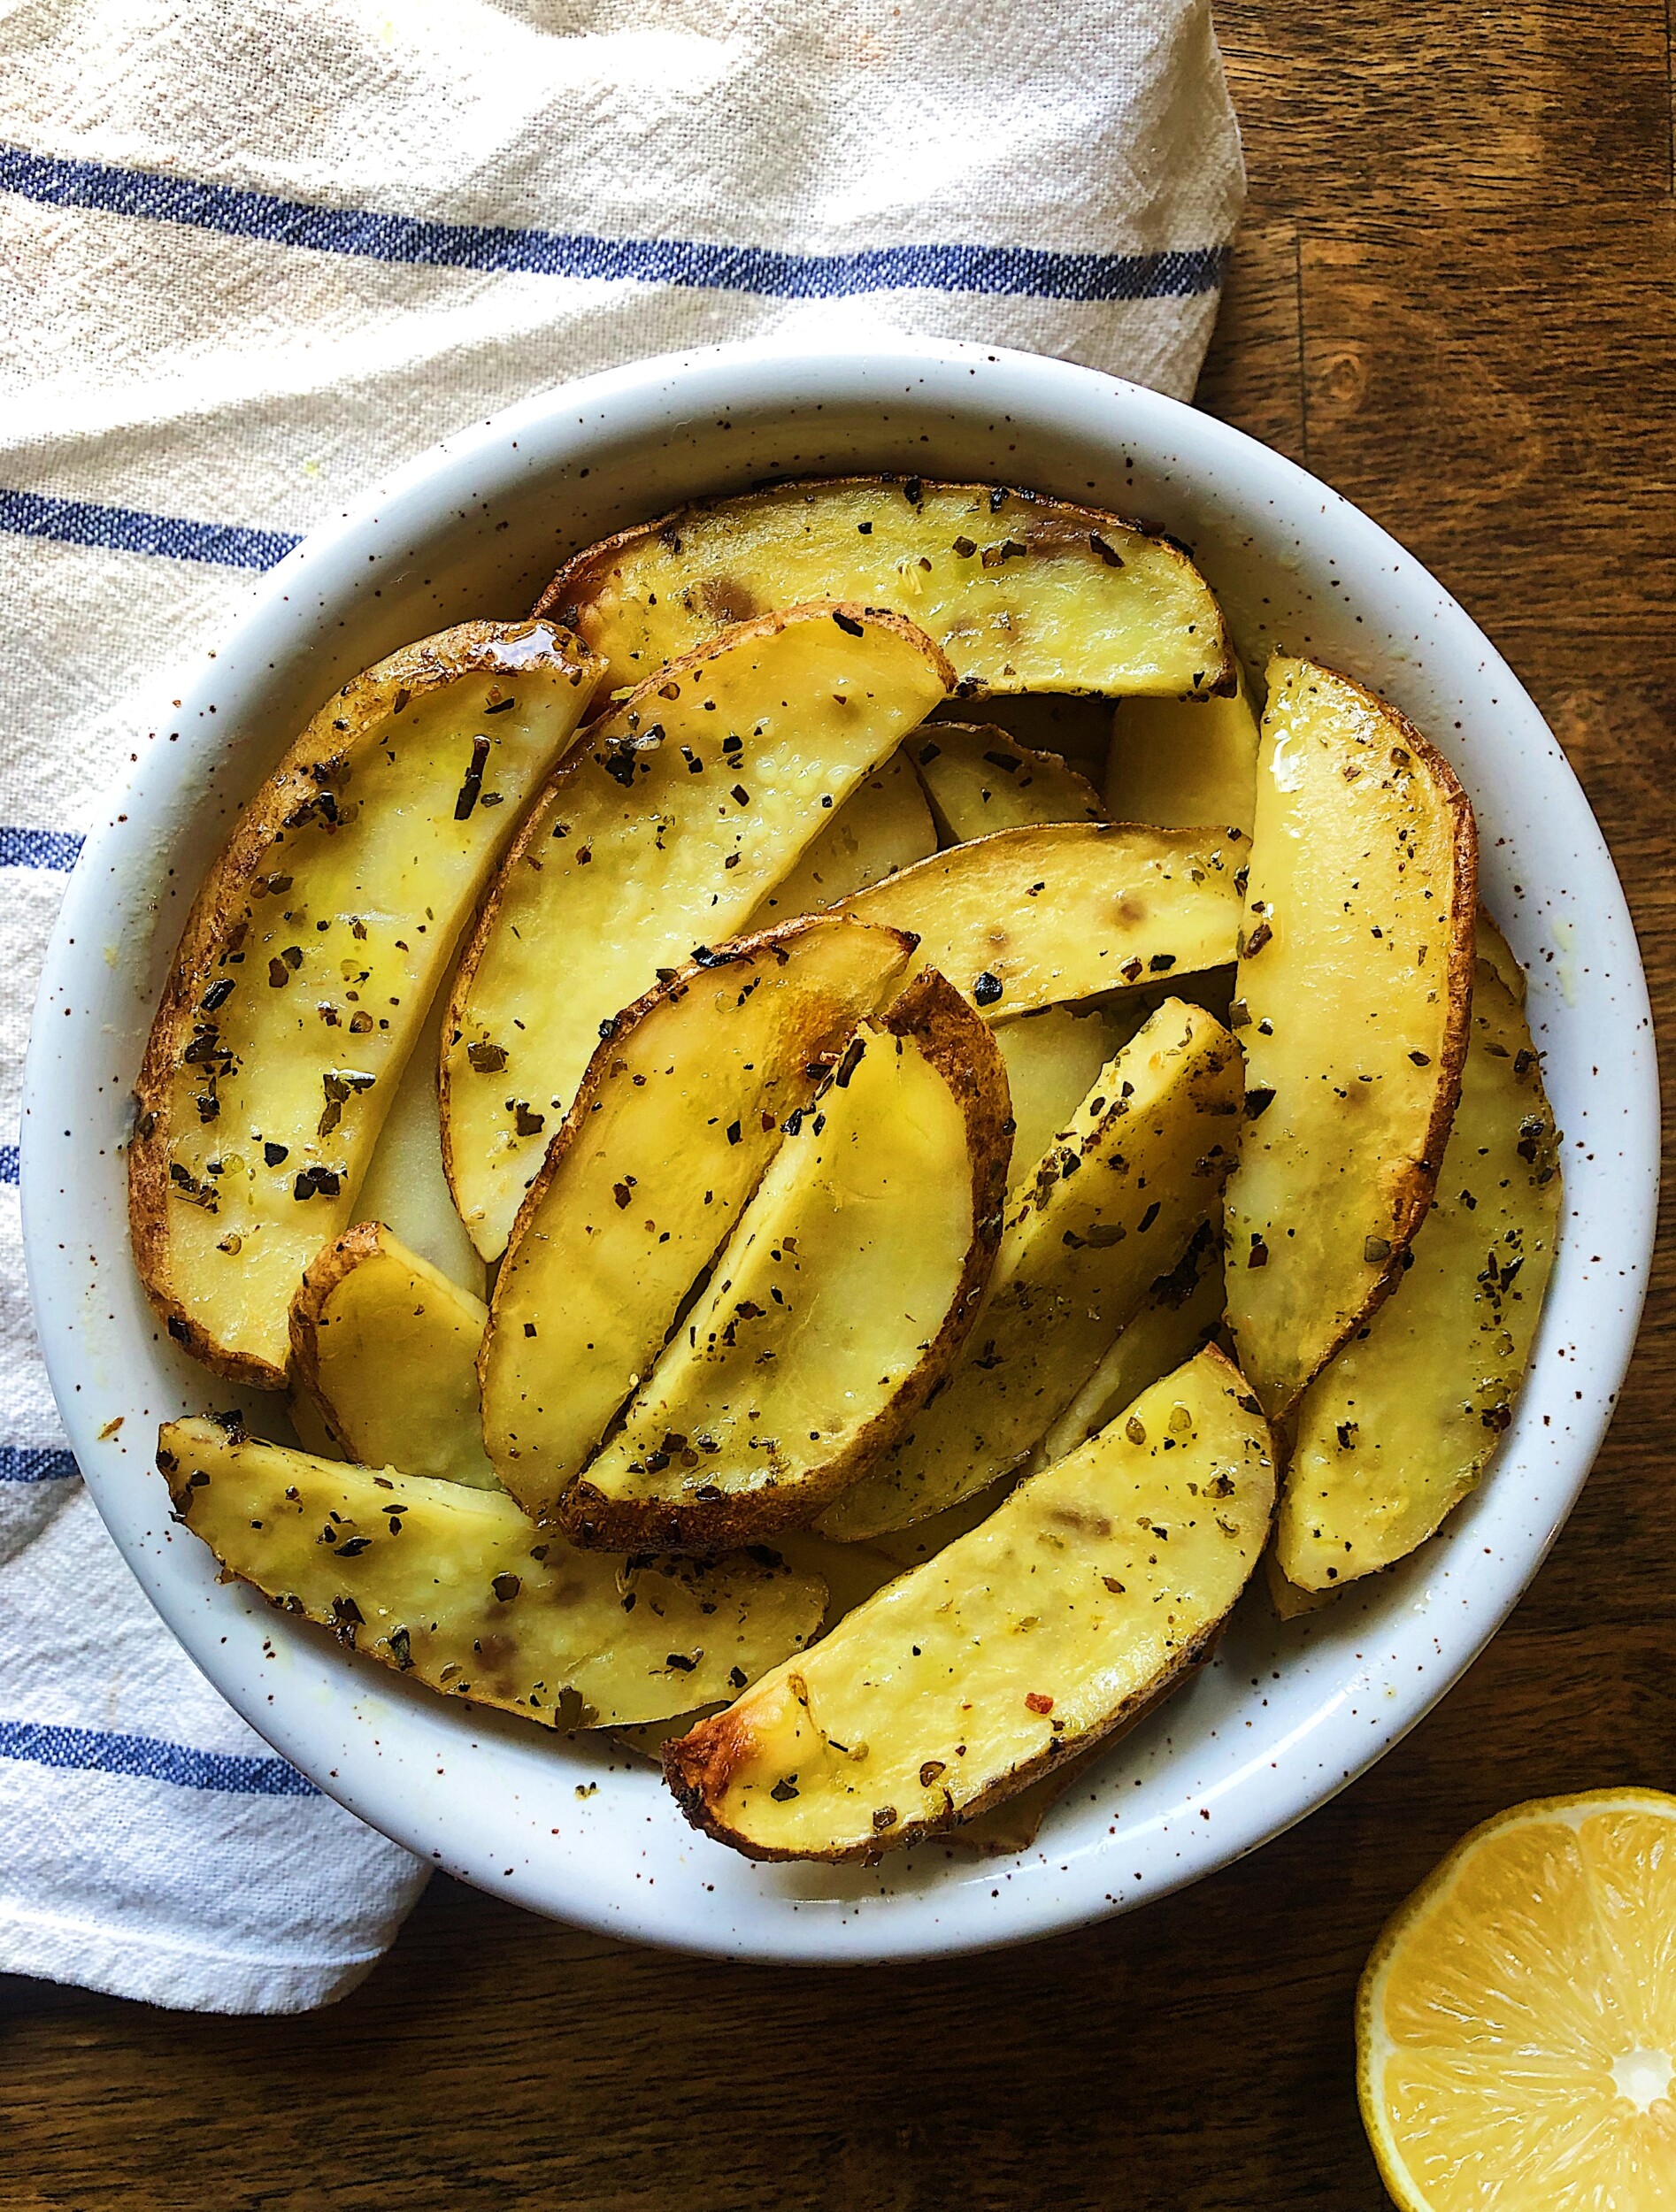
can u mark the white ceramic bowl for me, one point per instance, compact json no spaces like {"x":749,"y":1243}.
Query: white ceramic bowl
{"x":1281,"y":1718}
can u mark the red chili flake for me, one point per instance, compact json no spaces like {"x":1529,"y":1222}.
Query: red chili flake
{"x":1037,"y":1702}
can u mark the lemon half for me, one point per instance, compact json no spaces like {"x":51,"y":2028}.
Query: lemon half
{"x":1516,"y":2024}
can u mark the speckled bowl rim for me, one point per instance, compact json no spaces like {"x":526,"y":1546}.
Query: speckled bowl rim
{"x":1283,"y":1716}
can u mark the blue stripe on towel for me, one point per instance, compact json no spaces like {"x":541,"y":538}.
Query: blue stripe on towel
{"x":131,"y":530}
{"x":27,"y":1463}
{"x":1030,"y":271}
{"x":8,"y":1163}
{"x":149,"y":1758}
{"x":39,"y":848}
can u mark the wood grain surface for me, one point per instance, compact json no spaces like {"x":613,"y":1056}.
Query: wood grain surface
{"x":1453,"y":298}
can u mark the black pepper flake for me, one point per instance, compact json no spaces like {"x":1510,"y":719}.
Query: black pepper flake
{"x":1376,"y":1250}
{"x":1256,"y":940}
{"x":506,"y":1587}
{"x":276,"y":1155}
{"x":883,"y":1818}
{"x":499,"y":706}
{"x":785,"y":1790}
{"x":1008,"y":549}
{"x":1259,"y":1255}
{"x":1108,"y":553}
{"x":471,"y":789}
{"x":864,"y":528}
{"x":1160,"y":962}
{"x":1150,"y":1215}
{"x":401,"y":700}
{"x":854,"y":1052}
{"x":735,"y":1133}
{"x":217,"y":994}
{"x":681,"y":1662}
{"x":1422,"y":1059}
{"x":986,"y":988}
{"x":486,"y":1059}
{"x":964,"y":547}
{"x":527,"y":1124}
{"x":1258,"y":1101}
{"x":737,"y":1678}
{"x":352,"y":1546}
{"x":739,"y":794}
{"x":398,"y":1639}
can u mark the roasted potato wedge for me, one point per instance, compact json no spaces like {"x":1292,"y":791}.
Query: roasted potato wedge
{"x":405,"y":1186}
{"x":977,"y":780}
{"x":1183,"y":761}
{"x":307,"y":966}
{"x":386,"y":1347}
{"x":848,"y":1285}
{"x":1108,"y":1212}
{"x":1022,"y":592}
{"x":1181,"y":1313}
{"x":1052,"y":1059}
{"x":1395,"y":1430}
{"x":1076,"y":1606}
{"x":454,"y":1586}
{"x":1354,"y":975}
{"x":884,"y":825}
{"x":661,"y":831}
{"x":1032,"y":917}
{"x":678,"y":1114}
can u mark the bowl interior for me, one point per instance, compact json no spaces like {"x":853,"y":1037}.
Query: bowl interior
{"x":1281,"y":1716}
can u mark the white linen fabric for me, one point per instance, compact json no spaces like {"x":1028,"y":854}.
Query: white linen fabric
{"x":254,"y":257}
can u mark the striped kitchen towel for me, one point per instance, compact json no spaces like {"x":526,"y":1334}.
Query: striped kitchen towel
{"x":256,"y":256}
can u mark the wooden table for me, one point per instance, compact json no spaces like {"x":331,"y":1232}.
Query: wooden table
{"x":1452,"y":298}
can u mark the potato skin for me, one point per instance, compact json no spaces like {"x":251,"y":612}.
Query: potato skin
{"x":342,"y":725}
{"x":953,"y":1039}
